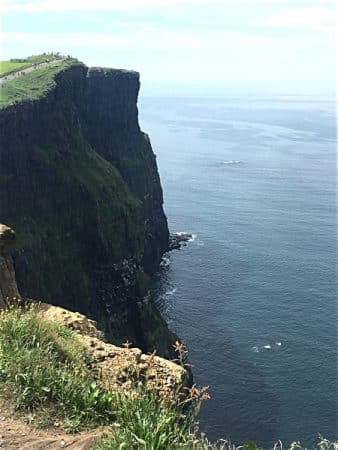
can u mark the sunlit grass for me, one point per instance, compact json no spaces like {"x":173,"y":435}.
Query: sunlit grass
{"x":45,"y":368}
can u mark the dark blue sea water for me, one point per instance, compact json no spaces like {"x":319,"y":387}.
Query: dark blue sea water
{"x":254,"y":295}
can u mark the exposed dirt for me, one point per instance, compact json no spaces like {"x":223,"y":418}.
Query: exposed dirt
{"x":15,"y":434}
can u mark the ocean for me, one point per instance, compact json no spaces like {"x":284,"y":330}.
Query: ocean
{"x":253,"y":296}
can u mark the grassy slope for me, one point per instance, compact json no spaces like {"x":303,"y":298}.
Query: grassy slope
{"x":32,"y":85}
{"x":45,"y":369}
{"x":7,"y":67}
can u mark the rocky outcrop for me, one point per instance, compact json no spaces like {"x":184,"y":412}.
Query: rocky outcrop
{"x":8,"y":287}
{"x":177,"y":240}
{"x":119,"y":369}
{"x":79,"y":184}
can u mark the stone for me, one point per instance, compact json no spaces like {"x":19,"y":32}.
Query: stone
{"x":7,"y":238}
{"x":117,"y":369}
{"x":9,"y":293}
{"x":177,"y":240}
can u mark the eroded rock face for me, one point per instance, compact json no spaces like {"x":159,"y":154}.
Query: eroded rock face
{"x":8,"y":287}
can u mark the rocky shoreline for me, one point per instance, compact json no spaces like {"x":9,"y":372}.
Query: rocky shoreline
{"x":178,"y":240}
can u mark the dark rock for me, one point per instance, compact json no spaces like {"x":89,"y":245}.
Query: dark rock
{"x":9,"y":293}
{"x":177,"y":240}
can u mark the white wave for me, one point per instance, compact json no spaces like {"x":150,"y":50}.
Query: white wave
{"x":184,"y":233}
{"x":231,"y":162}
{"x":170,"y":292}
{"x":257,"y":349}
{"x":165,"y":261}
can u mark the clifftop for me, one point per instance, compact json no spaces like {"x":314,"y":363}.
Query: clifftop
{"x":32,"y":78}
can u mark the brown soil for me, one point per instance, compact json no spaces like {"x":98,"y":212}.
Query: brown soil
{"x":15,"y":434}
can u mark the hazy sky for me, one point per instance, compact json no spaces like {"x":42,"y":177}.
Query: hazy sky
{"x":183,"y":46}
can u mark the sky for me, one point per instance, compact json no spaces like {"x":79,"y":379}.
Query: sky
{"x":192,"y":47}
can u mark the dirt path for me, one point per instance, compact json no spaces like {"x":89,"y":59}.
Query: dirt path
{"x":20,"y":73}
{"x":17,"y":435}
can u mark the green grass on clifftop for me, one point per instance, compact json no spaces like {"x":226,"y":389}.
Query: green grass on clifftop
{"x":13,"y":65}
{"x":32,"y":85}
{"x":7,"y":67}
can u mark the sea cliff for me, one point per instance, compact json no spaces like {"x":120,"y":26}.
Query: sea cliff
{"x":79,"y":184}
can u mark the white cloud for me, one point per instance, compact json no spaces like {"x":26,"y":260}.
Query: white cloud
{"x":187,"y":57}
{"x":151,"y":38}
{"x":134,"y":5}
{"x":317,"y":19}
{"x":98,"y":5}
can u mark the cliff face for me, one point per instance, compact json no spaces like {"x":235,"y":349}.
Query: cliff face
{"x":79,"y":183}
{"x":113,"y":131}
